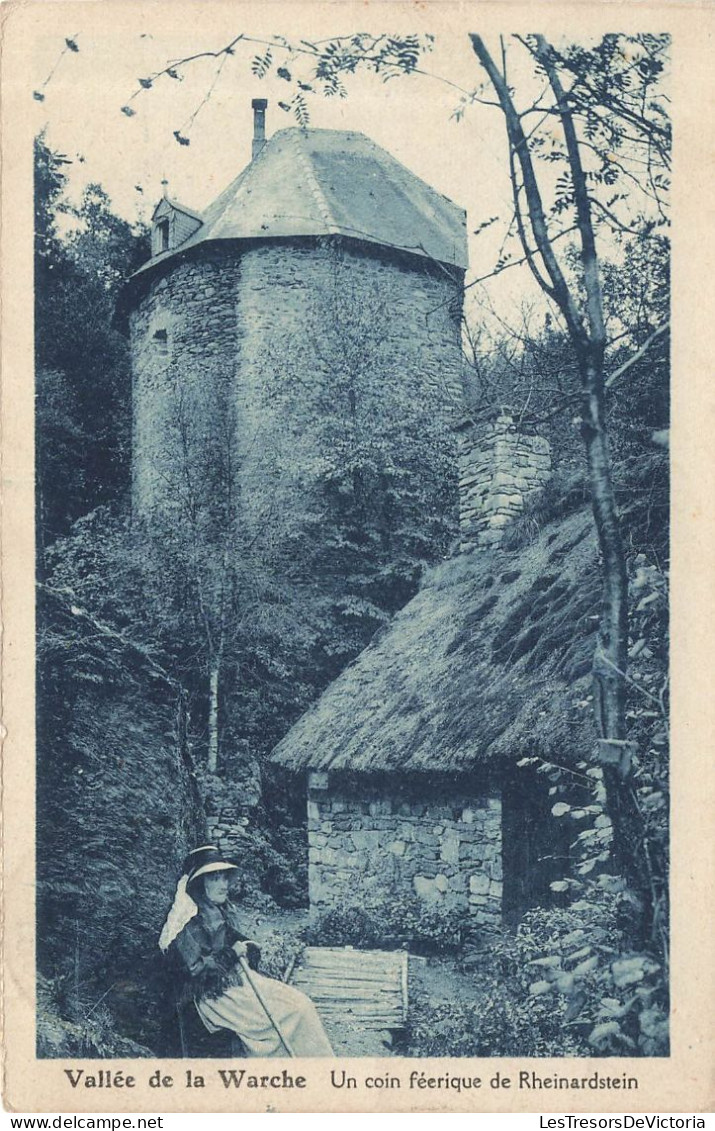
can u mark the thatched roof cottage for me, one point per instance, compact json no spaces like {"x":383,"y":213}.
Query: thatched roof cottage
{"x":412,"y":754}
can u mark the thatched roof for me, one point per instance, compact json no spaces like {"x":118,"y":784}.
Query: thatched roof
{"x":487,"y":663}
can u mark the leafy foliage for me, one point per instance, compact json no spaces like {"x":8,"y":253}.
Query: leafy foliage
{"x":399,"y":922}
{"x":564,"y":985}
{"x":577,"y":961}
{"x":112,"y":770}
{"x":82,"y":255}
{"x":502,"y":1021}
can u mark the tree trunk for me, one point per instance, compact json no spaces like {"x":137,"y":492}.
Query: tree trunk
{"x":213,"y":717}
{"x":611,"y":656}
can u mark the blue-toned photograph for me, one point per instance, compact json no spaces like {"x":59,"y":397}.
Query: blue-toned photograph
{"x":352,"y":381}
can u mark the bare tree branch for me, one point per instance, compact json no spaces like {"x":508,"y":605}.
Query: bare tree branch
{"x":623,"y":369}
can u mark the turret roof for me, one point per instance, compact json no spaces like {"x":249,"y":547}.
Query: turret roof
{"x":308,"y":182}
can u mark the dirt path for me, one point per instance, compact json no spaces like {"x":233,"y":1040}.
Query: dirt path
{"x":437,"y":980}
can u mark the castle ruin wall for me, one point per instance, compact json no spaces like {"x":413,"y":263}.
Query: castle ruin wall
{"x":210,"y":336}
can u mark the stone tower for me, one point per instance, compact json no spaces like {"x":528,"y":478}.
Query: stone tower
{"x":234,"y":296}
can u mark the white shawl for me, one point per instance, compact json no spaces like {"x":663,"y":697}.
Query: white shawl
{"x":183,"y":909}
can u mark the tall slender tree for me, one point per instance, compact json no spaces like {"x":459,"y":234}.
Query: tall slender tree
{"x":578,"y":297}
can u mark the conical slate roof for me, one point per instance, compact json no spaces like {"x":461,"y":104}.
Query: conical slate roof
{"x":308,"y":182}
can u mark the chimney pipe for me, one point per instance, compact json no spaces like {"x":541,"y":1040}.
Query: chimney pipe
{"x":259,"y":126}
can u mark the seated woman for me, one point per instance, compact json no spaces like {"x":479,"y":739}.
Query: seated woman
{"x":270,"y":1017}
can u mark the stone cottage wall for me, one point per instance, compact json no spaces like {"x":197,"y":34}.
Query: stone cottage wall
{"x":436,"y":842}
{"x":501,"y":465}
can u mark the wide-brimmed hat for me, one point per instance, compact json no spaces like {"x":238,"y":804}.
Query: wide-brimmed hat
{"x":197,"y":856}
{"x":213,"y":861}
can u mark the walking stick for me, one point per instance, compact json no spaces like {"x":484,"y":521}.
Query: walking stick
{"x":261,"y":1001}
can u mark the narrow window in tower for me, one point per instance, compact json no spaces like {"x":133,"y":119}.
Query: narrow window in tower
{"x":161,"y":341}
{"x":162,"y":236}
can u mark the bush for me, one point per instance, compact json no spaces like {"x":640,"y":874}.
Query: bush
{"x":401,"y":922}
{"x":446,"y":1029}
{"x":499,"y":1023}
{"x":562,"y":986}
{"x":502,"y":1019}
{"x":612,"y":999}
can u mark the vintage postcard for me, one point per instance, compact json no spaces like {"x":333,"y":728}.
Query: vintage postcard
{"x":357,"y":583}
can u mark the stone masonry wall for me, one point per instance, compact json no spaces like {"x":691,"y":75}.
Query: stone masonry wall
{"x":210,"y":335}
{"x":292,"y":300}
{"x":230,"y":812}
{"x":227,"y":832}
{"x":439,"y":843}
{"x":500,"y":466}
{"x":184,"y":338}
